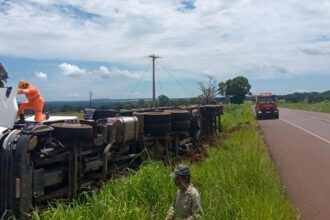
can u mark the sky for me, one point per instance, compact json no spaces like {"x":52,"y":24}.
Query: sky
{"x":68,"y":48}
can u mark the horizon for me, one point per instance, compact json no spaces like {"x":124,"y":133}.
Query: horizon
{"x":150,"y":99}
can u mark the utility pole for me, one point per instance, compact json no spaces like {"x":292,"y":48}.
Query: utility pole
{"x":90,"y":98}
{"x":154,"y":57}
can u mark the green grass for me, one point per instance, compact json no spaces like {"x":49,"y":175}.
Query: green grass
{"x":316,"y":107}
{"x":237,"y":181}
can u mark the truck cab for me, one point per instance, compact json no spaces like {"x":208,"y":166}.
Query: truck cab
{"x":8,"y":107}
{"x":266,"y":106}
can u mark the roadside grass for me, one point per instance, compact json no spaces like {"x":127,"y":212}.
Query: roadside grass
{"x":237,"y":181}
{"x":316,"y":107}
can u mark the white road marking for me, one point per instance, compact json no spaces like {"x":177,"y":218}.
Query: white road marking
{"x":308,"y":132}
{"x":314,"y":117}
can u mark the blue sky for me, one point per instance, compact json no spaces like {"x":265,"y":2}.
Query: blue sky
{"x":67,"y":48}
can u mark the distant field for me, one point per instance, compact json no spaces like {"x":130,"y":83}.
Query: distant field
{"x":237,"y":181}
{"x":316,"y":107}
{"x":80,"y":115}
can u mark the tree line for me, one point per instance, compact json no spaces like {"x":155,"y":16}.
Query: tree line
{"x":233,"y":91}
{"x":162,"y":101}
{"x":308,"y":97}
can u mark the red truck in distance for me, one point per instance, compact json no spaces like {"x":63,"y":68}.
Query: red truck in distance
{"x":266,"y":106}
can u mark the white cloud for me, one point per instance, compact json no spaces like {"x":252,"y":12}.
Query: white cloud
{"x":72,"y":70}
{"x":41,"y":75}
{"x":224,"y":37}
{"x":105,"y":73}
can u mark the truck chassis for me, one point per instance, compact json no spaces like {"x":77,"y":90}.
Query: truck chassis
{"x":43,"y":162}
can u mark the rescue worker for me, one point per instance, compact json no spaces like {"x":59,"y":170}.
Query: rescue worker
{"x":35,"y":101}
{"x":186,"y":204}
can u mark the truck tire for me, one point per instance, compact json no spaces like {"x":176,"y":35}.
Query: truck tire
{"x":212,"y":108}
{"x":7,"y":184}
{"x":72,"y":131}
{"x":156,"y":118}
{"x":157,"y":128}
{"x":179,"y":115}
{"x":180,"y":125}
{"x":210,"y":114}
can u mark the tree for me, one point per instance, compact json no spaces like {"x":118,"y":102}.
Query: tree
{"x":183,"y":101}
{"x":196,"y":100}
{"x":235,"y":89}
{"x":3,"y":76}
{"x":141,"y":103}
{"x":117,"y":105}
{"x":222,"y":88}
{"x":209,"y":90}
{"x":163,"y":100}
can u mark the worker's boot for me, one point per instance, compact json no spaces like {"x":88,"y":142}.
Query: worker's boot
{"x":21,"y":119}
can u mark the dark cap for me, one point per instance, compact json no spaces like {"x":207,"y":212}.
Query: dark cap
{"x":181,"y":170}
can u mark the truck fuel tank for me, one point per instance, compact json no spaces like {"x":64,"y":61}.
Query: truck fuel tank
{"x":123,"y":129}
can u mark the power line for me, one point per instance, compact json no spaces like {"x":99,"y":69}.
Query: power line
{"x":138,"y":83}
{"x":160,"y":86}
{"x":185,"y":88}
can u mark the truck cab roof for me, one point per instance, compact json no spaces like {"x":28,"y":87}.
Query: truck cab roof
{"x":265,"y":94}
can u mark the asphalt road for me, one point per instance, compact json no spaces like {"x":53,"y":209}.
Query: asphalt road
{"x":299,"y":143}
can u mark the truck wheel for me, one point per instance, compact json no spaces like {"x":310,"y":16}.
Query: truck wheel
{"x":179,"y":115}
{"x":210,"y":114}
{"x":7,"y":183}
{"x":156,"y":118}
{"x":157,"y":128}
{"x":72,"y":131}
{"x":213,"y":108}
{"x":180,"y":125}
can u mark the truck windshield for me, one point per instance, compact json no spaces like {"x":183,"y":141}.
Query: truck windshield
{"x":269,"y":99}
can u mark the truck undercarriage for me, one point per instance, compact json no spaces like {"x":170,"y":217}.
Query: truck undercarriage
{"x":61,"y":158}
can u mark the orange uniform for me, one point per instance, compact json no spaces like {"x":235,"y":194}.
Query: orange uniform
{"x":35,"y":102}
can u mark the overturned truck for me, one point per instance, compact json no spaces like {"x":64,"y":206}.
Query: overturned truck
{"x":64,"y":155}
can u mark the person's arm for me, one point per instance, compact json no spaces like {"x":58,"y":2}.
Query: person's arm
{"x":170,"y":214}
{"x":30,"y":91}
